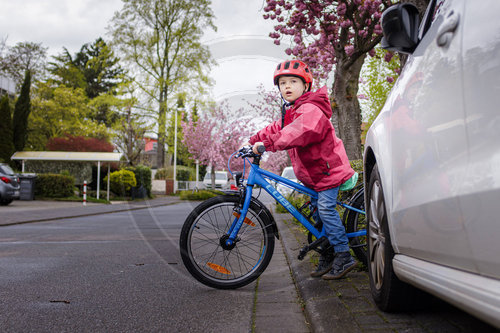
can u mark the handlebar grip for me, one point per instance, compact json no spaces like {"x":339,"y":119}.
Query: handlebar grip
{"x":261,"y":149}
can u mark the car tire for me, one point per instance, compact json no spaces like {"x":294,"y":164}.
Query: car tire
{"x":389,"y":293}
{"x":5,"y":202}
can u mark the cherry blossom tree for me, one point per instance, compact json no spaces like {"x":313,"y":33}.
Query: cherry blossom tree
{"x":215,"y":135}
{"x":268,"y":109}
{"x":332,"y":36}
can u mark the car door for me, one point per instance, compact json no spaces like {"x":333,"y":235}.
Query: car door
{"x":480,"y":195}
{"x":429,"y":146}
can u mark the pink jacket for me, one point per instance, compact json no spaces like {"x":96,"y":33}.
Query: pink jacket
{"x":318,"y":156}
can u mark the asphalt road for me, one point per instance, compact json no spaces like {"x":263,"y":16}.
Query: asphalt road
{"x":112,"y":272}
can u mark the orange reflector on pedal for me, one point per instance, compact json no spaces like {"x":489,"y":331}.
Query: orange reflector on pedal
{"x":218,"y":268}
{"x":247,"y":220}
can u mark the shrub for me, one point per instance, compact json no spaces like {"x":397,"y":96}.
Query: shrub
{"x":142,"y":176}
{"x":184,"y":173}
{"x":198,"y":195}
{"x":54,"y":185}
{"x":163,"y":174}
{"x":121,"y":182}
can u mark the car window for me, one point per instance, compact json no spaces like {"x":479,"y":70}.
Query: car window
{"x":426,"y":19}
{"x":5,"y":169}
{"x":218,"y":175}
{"x":221,"y":176}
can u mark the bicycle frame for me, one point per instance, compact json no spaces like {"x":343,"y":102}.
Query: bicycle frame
{"x":257,"y":176}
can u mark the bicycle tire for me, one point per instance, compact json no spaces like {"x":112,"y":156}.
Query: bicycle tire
{"x":206,"y":259}
{"x":355,"y":222}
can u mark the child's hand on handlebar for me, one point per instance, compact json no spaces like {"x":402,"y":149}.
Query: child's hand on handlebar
{"x":259,"y":148}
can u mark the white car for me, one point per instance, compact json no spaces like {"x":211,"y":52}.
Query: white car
{"x":432,"y":161}
{"x":289,"y":174}
{"x":221,"y":180}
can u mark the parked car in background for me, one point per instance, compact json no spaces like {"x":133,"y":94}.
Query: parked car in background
{"x":221,"y":180}
{"x":9,"y":185}
{"x":432,"y":161}
{"x":287,"y":173}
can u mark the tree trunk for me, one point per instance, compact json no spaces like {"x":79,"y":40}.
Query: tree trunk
{"x":346,"y":110}
{"x":162,"y":122}
{"x":212,"y":177}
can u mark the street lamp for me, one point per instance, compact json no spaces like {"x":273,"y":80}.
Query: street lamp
{"x":175,"y":151}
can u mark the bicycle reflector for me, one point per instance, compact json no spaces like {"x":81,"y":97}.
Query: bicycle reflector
{"x":247,"y":220}
{"x":218,"y":268}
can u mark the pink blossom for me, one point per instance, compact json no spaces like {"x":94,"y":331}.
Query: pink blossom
{"x":341,"y":9}
{"x":349,"y":50}
{"x":390,"y":79}
{"x":388,"y":56}
{"x":346,"y":24}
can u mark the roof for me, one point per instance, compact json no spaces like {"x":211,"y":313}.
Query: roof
{"x":67,"y":156}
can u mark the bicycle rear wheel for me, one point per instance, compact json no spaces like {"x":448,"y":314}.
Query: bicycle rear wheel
{"x":209,"y":260}
{"x":356,"y":222}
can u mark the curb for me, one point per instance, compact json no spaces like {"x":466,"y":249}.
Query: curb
{"x":323,"y":312}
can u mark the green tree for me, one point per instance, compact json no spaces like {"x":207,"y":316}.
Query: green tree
{"x":379,"y":73}
{"x":161,"y":41}
{"x":96,"y":70}
{"x":22,"y":111}
{"x":58,"y":111}
{"x":6,"y":143}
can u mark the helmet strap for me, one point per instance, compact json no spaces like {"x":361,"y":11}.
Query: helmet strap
{"x":283,"y":110}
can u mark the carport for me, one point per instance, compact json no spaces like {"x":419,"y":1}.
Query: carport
{"x":98,"y":157}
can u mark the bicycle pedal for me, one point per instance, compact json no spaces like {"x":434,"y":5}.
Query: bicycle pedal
{"x":303,"y":252}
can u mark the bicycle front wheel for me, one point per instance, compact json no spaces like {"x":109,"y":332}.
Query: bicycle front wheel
{"x":203,"y":249}
{"x":357,"y":222}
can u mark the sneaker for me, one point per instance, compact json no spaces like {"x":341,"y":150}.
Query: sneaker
{"x":343,"y":264}
{"x":324,"y":265}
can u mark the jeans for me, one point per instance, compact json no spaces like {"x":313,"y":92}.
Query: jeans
{"x":326,"y":212}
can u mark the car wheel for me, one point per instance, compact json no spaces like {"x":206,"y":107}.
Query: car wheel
{"x":388,"y":292}
{"x":5,"y":202}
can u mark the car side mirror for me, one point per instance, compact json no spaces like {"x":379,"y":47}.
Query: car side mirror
{"x":400,"y":26}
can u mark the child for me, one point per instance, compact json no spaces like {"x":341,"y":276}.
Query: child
{"x":318,"y":156}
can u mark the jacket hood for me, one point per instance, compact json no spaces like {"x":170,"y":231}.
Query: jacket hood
{"x":318,"y":98}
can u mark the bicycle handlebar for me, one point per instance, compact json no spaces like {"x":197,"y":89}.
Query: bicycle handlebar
{"x":247,"y":151}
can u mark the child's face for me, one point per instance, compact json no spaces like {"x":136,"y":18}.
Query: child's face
{"x":291,"y":87}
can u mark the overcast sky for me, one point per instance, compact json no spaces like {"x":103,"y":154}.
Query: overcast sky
{"x":245,"y":53}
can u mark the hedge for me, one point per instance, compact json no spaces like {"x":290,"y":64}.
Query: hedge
{"x":54,"y":185}
{"x":79,"y":170}
{"x":199,"y":195}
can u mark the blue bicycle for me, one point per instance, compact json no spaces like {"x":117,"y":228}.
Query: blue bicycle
{"x":227,"y":241}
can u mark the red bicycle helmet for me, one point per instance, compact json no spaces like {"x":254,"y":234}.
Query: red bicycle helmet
{"x":293,"y":68}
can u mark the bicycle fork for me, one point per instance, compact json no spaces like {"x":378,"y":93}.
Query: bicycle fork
{"x":229,"y":240}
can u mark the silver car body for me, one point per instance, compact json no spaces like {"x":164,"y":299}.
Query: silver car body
{"x":221,"y":180}
{"x":9,"y":185}
{"x":289,"y":174}
{"x":435,"y":143}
